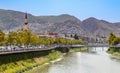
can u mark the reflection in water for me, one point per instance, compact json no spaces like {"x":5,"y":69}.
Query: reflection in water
{"x":94,"y":61}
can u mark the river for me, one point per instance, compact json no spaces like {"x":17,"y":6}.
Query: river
{"x":96,"y":60}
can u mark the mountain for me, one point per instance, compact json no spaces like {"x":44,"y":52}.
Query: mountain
{"x":60,"y":24}
{"x":99,"y":27}
{"x":10,"y":19}
{"x":117,"y":24}
{"x":13,"y":20}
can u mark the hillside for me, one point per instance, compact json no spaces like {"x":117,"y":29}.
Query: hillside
{"x":99,"y":27}
{"x":13,"y":20}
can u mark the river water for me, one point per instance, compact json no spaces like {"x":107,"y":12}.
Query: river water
{"x":96,"y":60}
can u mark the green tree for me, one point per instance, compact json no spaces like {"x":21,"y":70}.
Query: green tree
{"x":12,"y":38}
{"x":116,"y":41}
{"x":2,"y":35}
{"x":6,"y":40}
{"x":111,"y":38}
{"x":24,"y":37}
{"x":28,"y":35}
{"x":76,"y":37}
{"x":34,"y":40}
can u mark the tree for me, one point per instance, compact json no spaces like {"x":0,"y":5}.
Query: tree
{"x":27,"y":37}
{"x":12,"y":38}
{"x":24,"y":37}
{"x":116,"y":41}
{"x":71,"y":36}
{"x":76,"y":37}
{"x":111,"y":38}
{"x":34,"y":40}
{"x":2,"y":35}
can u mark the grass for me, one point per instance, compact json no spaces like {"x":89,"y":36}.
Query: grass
{"x":26,"y":62}
{"x":114,"y":51}
{"x":18,"y":63}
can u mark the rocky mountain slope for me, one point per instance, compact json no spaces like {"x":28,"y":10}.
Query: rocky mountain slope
{"x":99,"y":27}
{"x":13,"y":20}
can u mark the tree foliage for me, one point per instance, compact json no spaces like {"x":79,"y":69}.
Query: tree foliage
{"x":113,"y":39}
{"x":76,"y":37}
{"x":2,"y":35}
{"x":27,"y":38}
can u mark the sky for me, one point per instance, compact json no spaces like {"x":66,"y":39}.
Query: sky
{"x":101,"y":9}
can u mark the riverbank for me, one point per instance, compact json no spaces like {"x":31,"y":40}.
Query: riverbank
{"x":42,"y":67}
{"x":114,"y":51}
{"x":18,"y":63}
{"x":60,"y":58}
{"x":83,"y":62}
{"x":27,"y":62}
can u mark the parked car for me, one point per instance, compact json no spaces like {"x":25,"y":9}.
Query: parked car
{"x":2,"y":48}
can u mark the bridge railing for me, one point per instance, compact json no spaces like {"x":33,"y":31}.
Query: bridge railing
{"x":48,"y":47}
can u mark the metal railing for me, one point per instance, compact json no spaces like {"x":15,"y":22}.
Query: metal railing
{"x":50,"y":47}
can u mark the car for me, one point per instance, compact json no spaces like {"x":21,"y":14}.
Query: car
{"x":2,"y":48}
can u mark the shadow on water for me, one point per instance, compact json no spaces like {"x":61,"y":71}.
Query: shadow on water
{"x":94,"y":50}
{"x":115,"y":58}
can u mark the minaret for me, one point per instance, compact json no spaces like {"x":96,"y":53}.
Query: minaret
{"x":25,"y":25}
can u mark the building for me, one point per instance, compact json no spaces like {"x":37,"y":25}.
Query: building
{"x":50,"y":34}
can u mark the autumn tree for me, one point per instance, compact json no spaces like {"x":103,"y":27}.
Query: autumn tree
{"x":12,"y":38}
{"x":2,"y":35}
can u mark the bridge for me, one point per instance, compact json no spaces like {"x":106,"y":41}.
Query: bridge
{"x":51,"y":47}
{"x":88,"y":45}
{"x":24,"y":50}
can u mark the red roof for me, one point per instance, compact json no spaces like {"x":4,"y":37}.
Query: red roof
{"x":51,"y":33}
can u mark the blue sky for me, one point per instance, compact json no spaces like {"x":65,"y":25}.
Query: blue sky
{"x":102,"y":9}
